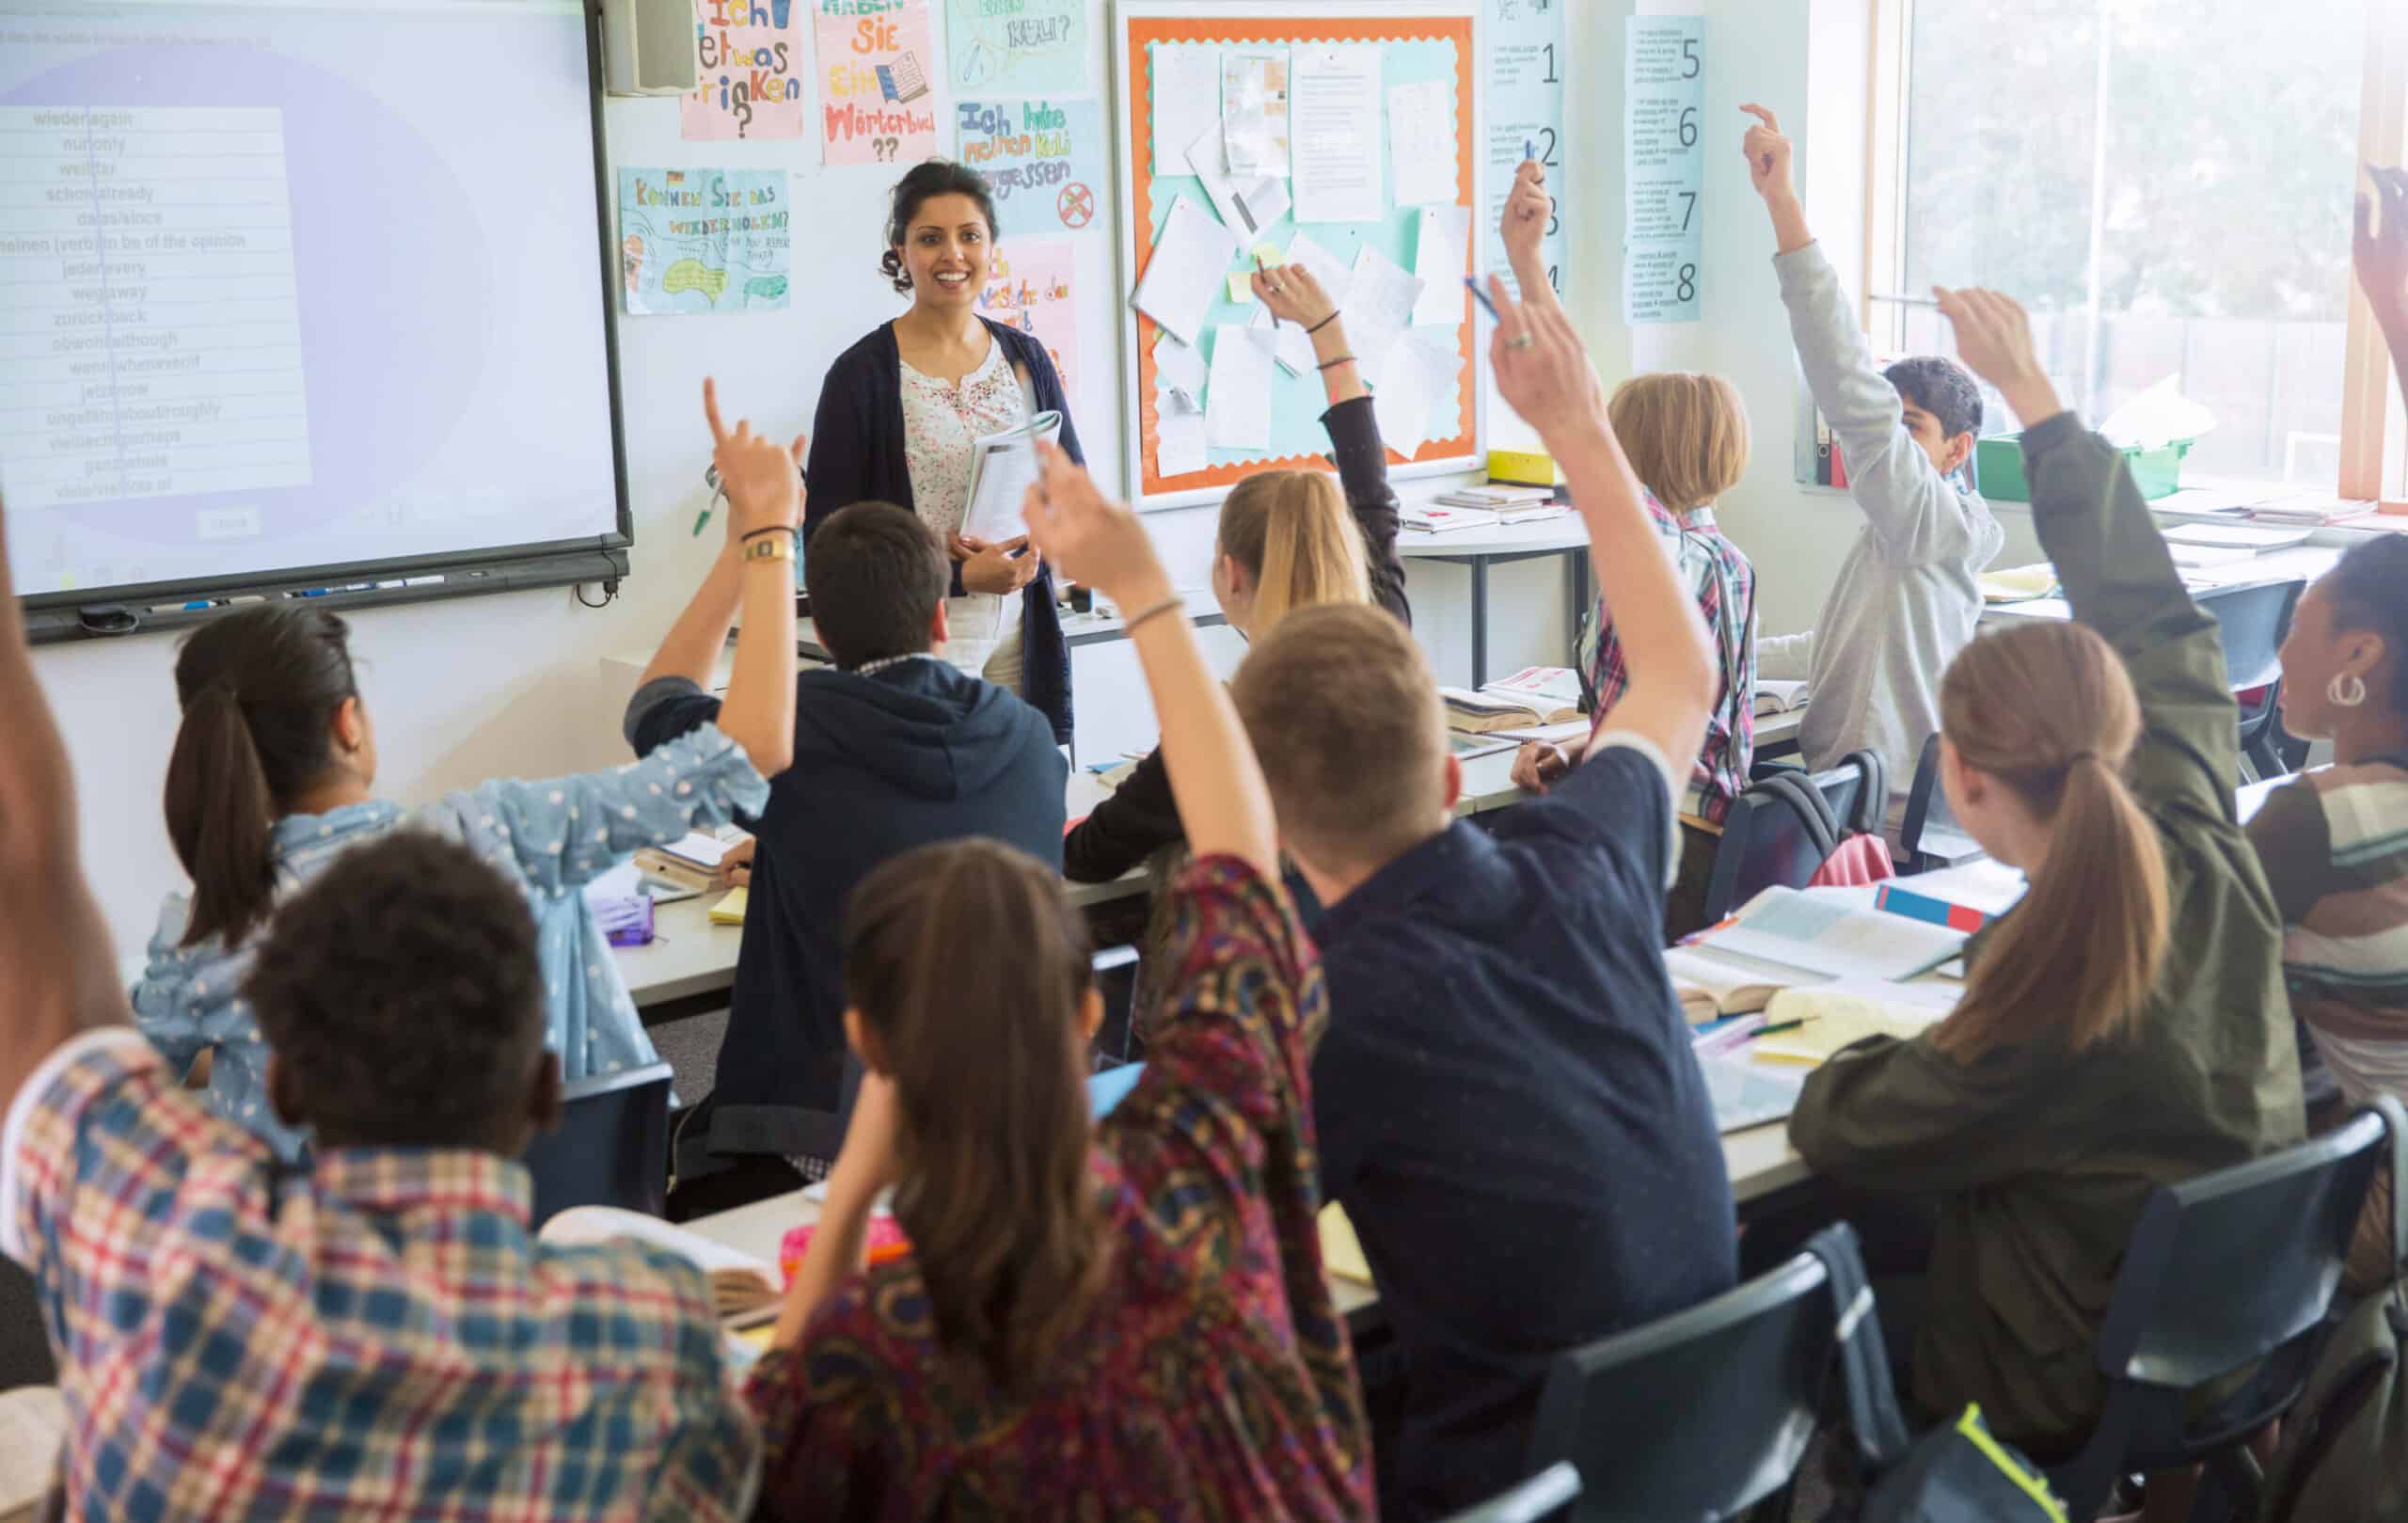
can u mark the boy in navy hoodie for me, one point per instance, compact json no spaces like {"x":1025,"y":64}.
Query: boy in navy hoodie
{"x":893,"y":747}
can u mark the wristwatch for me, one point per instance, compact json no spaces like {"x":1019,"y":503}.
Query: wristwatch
{"x":768,"y":547}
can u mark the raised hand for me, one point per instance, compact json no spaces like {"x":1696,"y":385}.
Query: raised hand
{"x":1528,"y":210}
{"x":1994,"y":339}
{"x":2381,"y":253}
{"x":1094,"y":540}
{"x":764,"y":488}
{"x":1769,"y":154}
{"x":1542,"y":369}
{"x":1293,"y":295}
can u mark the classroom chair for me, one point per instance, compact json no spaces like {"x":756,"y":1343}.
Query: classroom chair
{"x":1542,"y":1497}
{"x":611,"y":1148}
{"x":2228,"y":1270}
{"x":1788,"y":823}
{"x":1928,"y":831}
{"x":2250,"y":623}
{"x":1698,"y":1416}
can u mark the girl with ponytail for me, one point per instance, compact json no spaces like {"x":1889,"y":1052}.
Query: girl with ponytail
{"x":1287,"y":539}
{"x":274,"y":775}
{"x":2124,"y":1025}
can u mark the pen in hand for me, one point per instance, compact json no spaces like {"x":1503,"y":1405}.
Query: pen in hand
{"x":1267,"y":307}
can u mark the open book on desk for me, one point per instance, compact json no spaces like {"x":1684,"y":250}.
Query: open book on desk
{"x":1003,"y":465}
{"x":1810,"y":1024}
{"x":1822,"y":934}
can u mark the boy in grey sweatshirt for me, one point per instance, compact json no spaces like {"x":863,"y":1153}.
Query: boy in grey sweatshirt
{"x":1908,"y":597}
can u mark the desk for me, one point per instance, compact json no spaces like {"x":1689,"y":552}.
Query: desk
{"x":1479,"y":548}
{"x":2300,"y":563}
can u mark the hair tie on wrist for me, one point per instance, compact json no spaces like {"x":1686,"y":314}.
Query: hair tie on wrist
{"x":1323,"y":323}
{"x":751,"y":534}
{"x":1333,"y":364}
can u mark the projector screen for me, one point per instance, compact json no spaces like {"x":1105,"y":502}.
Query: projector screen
{"x":292,"y":287}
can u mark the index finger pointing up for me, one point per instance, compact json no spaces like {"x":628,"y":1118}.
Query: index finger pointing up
{"x":1762,"y":114}
{"x":710,"y":410}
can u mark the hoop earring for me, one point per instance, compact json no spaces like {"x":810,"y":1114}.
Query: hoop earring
{"x":2347,"y":689}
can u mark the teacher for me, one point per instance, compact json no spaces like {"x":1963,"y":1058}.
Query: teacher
{"x":899,"y":411}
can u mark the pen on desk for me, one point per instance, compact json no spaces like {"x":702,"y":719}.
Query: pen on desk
{"x":1780,"y":1026}
{"x":1472,"y":284}
{"x":1257,"y":269}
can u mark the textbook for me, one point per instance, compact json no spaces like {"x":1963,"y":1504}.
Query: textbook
{"x":1711,"y":986}
{"x":1003,"y":465}
{"x":1535,"y":695}
{"x":1495,"y":496}
{"x":1431,"y":518}
{"x":2018,"y":584}
{"x":1830,"y":935}
{"x":1777,"y":695}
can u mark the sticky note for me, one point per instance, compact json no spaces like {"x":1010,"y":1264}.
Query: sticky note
{"x":1269,"y":254}
{"x":1241,"y":288}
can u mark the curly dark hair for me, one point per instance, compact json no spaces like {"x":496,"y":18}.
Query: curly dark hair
{"x":931,"y":176}
{"x":1942,"y":388}
{"x":399,"y":991}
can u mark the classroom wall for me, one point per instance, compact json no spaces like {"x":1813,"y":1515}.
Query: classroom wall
{"x":477,"y":688}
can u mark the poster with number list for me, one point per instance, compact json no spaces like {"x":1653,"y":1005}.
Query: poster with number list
{"x":1663,"y":168}
{"x":1526,"y":68}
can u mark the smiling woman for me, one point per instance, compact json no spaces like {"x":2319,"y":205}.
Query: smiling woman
{"x":900,"y":410}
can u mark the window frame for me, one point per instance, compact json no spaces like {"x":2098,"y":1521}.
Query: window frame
{"x":2374,"y":432}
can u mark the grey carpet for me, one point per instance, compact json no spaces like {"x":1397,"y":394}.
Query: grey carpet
{"x":691,"y":1048}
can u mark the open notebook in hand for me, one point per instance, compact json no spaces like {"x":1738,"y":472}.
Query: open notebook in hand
{"x":1002,"y":466}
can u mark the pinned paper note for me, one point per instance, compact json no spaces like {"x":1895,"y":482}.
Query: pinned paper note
{"x":1335,"y":159}
{"x":1023,"y":47}
{"x":1421,"y":142}
{"x":1237,"y":400}
{"x":1269,"y":255}
{"x":1178,"y":362}
{"x":1043,"y":157}
{"x":1380,"y":298}
{"x":1241,"y":288}
{"x":1441,"y":258}
{"x":1186,"y":96}
{"x":1291,"y":345}
{"x":1414,"y":378}
{"x":1247,"y":205}
{"x":1183,"y":276}
{"x":1336,"y":280}
{"x":1179,"y":442}
{"x":1254,"y":114}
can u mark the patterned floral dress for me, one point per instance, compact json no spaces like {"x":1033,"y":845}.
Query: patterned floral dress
{"x":1212,"y":1379}
{"x":940,"y":423}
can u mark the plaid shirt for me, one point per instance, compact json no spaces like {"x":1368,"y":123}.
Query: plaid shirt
{"x":379,"y":1338}
{"x":1724,"y":585}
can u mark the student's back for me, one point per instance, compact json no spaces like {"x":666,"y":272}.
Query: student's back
{"x":894,"y":751}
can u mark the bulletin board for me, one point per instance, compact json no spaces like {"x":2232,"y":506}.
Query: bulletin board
{"x":1419,"y":41}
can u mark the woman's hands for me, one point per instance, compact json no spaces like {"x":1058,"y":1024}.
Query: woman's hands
{"x":991,"y":568}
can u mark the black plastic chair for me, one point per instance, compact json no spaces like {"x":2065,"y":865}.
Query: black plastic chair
{"x":1928,"y":831}
{"x":1775,"y":836}
{"x":1542,"y":1497}
{"x":1697,"y":1415}
{"x":2229,"y":1270}
{"x":2250,"y":623}
{"x":611,"y":1148}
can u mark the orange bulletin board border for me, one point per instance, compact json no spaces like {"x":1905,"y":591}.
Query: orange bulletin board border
{"x":1138,"y":33}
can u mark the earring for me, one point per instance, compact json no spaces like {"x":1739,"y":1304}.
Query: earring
{"x":2347,"y":689}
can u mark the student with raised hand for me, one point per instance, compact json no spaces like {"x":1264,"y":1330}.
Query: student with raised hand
{"x":1128,"y":1319}
{"x":1287,"y":539}
{"x":1508,"y":1102}
{"x":2334,"y":842}
{"x":274,"y":773}
{"x":2125,"y":1027}
{"x":239,"y":1340}
{"x":1909,"y":597}
{"x":892,"y":747}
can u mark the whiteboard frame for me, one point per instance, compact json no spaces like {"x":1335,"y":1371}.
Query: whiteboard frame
{"x":1126,"y":254}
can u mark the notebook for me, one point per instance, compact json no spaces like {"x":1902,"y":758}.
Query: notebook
{"x":1747,"y":1095}
{"x":1001,"y":467}
{"x":1776,"y":695}
{"x":1535,"y":696}
{"x":1840,"y":1015}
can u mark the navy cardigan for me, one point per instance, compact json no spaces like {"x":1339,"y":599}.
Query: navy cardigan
{"x":857,"y":457}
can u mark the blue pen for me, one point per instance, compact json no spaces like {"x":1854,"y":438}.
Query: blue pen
{"x":1482,"y":296}
{"x":1529,"y":148}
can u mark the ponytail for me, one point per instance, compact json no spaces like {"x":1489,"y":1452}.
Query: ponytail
{"x":260,"y":690}
{"x":1291,"y":530}
{"x":993,"y":1188}
{"x":2048,"y":712}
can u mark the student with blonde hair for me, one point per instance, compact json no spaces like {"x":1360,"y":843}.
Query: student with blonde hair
{"x":1686,"y":440}
{"x":1287,"y":539}
{"x":2088,"y":1063}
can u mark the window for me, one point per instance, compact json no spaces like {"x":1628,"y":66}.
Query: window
{"x":2166,"y":184}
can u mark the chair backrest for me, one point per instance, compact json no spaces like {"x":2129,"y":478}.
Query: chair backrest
{"x":1543,"y":1496}
{"x":1698,"y":1415}
{"x":611,"y":1148}
{"x":1785,"y":825}
{"x":2226,"y":1268}
{"x":2250,"y":623}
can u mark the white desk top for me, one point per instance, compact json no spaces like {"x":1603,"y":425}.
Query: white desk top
{"x":1567,"y":532}
{"x":2300,"y":563}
